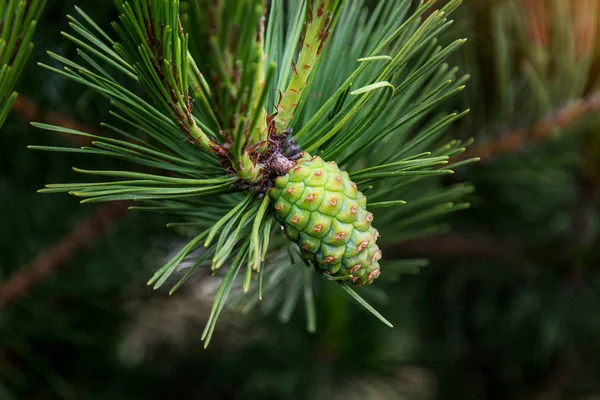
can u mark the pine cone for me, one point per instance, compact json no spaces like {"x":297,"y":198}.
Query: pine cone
{"x":322,"y":211}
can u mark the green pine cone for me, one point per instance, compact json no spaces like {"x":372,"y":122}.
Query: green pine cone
{"x":322,"y":210}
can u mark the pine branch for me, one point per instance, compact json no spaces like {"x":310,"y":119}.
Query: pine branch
{"x":515,"y":140}
{"x":315,"y":31}
{"x":82,"y":235}
{"x":18,"y":20}
{"x":374,"y":90}
{"x":155,"y":45}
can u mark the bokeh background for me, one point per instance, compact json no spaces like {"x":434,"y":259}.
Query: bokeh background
{"x":508,"y":307}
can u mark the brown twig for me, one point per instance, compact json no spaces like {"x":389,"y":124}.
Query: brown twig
{"x":558,"y":377}
{"x":479,"y":246}
{"x":514,"y":140}
{"x":30,"y":111}
{"x":82,"y":235}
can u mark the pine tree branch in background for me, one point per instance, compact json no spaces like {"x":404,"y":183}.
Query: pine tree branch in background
{"x":553,"y":385}
{"x":30,"y":111}
{"x":514,"y":140}
{"x":81,"y":236}
{"x":18,"y":20}
{"x":479,"y":246}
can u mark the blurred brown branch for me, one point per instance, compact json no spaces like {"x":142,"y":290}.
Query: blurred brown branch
{"x":552,"y":387}
{"x":478,"y":246}
{"x":82,"y":235}
{"x":30,"y":111}
{"x":514,"y":140}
